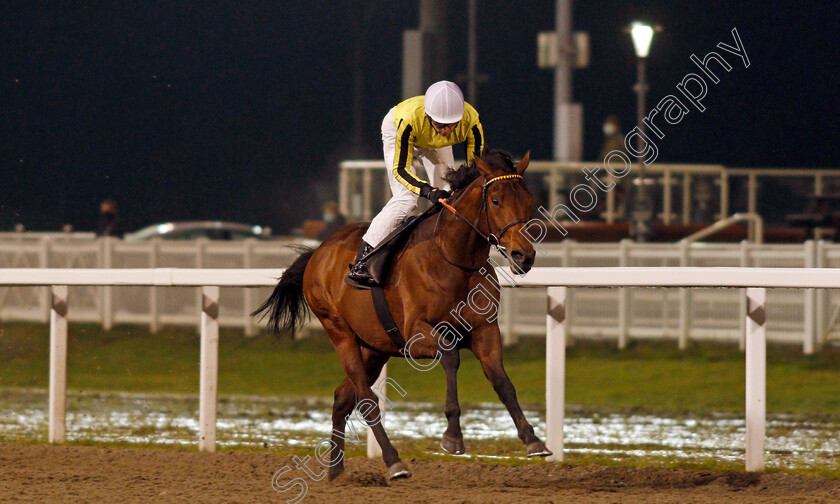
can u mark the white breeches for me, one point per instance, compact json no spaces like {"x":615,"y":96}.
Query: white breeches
{"x":403,"y":201}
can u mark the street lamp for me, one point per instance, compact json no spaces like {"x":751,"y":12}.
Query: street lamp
{"x":642,"y":216}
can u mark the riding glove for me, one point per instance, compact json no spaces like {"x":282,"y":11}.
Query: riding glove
{"x":433,"y":194}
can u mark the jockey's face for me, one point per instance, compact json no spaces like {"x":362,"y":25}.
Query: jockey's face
{"x":443,"y":130}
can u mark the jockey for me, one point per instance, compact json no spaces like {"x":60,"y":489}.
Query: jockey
{"x":425,"y":126}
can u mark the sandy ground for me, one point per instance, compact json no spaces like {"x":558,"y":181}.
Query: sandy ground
{"x":36,"y":473}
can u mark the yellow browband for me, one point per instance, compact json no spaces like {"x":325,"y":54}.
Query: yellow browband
{"x":501,"y":177}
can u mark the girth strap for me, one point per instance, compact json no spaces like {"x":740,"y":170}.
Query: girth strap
{"x":385,"y":317}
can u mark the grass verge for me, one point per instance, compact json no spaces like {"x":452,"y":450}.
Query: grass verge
{"x":648,"y":376}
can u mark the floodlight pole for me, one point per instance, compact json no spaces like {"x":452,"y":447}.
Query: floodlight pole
{"x":642,"y":209}
{"x":472,"y":57}
{"x":563,"y":82}
{"x":641,"y":219}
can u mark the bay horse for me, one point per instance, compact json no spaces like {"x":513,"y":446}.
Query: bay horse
{"x":445,"y":258}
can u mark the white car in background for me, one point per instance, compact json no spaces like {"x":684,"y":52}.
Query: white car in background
{"x":192,"y":230}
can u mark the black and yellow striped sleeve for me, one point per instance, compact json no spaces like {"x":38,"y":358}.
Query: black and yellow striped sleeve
{"x":475,"y":142}
{"x":402,"y":159}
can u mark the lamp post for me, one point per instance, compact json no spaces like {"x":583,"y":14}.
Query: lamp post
{"x":641,"y":224}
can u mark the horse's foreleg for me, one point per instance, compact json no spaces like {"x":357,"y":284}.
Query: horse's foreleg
{"x":487,"y":347}
{"x":453,"y":439}
{"x":450,"y":359}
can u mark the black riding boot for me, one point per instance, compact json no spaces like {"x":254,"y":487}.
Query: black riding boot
{"x":359,"y":275}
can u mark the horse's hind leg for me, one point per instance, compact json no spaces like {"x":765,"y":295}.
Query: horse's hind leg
{"x":357,"y":371}
{"x":343,"y":404}
{"x":374,"y":361}
{"x":487,"y":347}
{"x":453,"y":440}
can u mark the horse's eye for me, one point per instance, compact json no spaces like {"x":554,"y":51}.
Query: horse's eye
{"x":495,"y":201}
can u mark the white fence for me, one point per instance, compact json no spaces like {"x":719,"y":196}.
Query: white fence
{"x":802,"y":317}
{"x":209,"y":281}
{"x":556,"y":279}
{"x":755,"y":280}
{"x":137,"y":304}
{"x":797,"y":317}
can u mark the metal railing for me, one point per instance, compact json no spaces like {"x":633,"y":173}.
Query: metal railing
{"x":357,"y":187}
{"x":755,"y":229}
{"x":363,"y":186}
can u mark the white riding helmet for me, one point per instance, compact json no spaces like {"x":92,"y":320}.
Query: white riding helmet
{"x":444,"y":102}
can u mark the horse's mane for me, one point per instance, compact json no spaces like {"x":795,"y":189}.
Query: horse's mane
{"x":459,"y":179}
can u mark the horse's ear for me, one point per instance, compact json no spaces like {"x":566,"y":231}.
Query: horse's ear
{"x":485,"y":169}
{"x":520,"y":168}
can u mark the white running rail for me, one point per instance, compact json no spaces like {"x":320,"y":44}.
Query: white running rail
{"x":556,"y":280}
{"x":59,"y":279}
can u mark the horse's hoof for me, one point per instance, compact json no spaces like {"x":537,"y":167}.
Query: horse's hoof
{"x":336,"y":471}
{"x":537,"y":449}
{"x":453,"y":446}
{"x":398,"y":470}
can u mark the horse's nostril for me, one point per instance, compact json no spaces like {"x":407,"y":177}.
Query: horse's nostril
{"x":521,"y":258}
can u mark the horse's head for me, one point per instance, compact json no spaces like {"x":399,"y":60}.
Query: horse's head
{"x":507,"y":207}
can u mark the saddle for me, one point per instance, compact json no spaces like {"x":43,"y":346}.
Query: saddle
{"x":379,"y":262}
{"x":379,"y":259}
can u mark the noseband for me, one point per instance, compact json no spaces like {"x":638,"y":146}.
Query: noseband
{"x":491,"y":238}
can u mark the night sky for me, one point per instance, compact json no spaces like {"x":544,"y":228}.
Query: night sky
{"x":240,"y":110}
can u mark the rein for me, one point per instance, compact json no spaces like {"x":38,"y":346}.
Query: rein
{"x":494,"y":240}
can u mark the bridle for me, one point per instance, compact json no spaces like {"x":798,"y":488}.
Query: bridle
{"x":494,"y":239}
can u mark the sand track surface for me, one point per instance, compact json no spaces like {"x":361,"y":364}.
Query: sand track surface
{"x":37,"y":473}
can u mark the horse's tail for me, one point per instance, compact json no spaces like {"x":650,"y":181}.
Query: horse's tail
{"x":286,"y":308}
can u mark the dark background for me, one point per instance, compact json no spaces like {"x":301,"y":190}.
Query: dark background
{"x":240,"y":110}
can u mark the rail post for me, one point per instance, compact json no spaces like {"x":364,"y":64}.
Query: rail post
{"x":570,"y":299}
{"x":686,"y":199}
{"x":508,"y":319}
{"x":373,"y":448}
{"x":667,"y":197}
{"x":823,"y":298}
{"x":744,"y":261}
{"x":724,"y":195}
{"x":58,"y":363}
{"x":367,"y":181}
{"x":685,"y":300}
{"x":248,"y":295}
{"x":555,"y":371}
{"x":200,"y":249}
{"x":154,"y":323}
{"x":44,"y":262}
{"x":208,"y":386}
{"x":809,"y":322}
{"x":107,"y":290}
{"x":610,"y":214}
{"x":756,"y":378}
{"x":344,"y":190}
{"x":623,"y":298}
{"x":752,"y":193}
